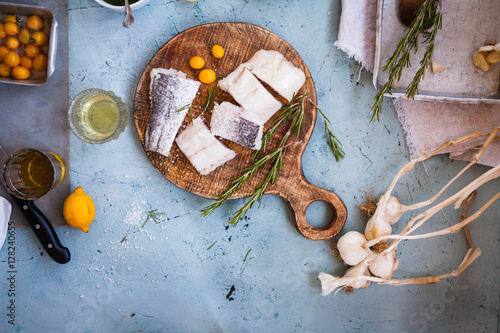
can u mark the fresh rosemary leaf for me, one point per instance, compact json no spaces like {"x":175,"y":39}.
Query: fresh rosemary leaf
{"x":212,"y":245}
{"x":154,"y":215}
{"x":187,"y":106}
{"x":212,"y":92}
{"x":123,"y":239}
{"x":247,"y":255}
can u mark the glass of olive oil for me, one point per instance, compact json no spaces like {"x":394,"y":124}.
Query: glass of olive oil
{"x":29,"y":174}
{"x":97,"y":116}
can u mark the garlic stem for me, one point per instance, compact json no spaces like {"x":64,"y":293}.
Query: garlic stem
{"x":452,"y":229}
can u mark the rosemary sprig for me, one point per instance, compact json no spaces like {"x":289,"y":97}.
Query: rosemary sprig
{"x":154,"y":215}
{"x":335,"y":144}
{"x":296,"y":116}
{"x":238,"y":182}
{"x":212,"y":92}
{"x":426,"y":16}
{"x":212,"y":245}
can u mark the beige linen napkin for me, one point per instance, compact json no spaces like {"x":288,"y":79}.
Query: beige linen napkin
{"x":426,"y":124}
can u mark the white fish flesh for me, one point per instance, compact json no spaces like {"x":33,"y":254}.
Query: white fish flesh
{"x":258,"y":103}
{"x":228,"y":123}
{"x":169,"y":92}
{"x":202,"y":149}
{"x":279,"y":73}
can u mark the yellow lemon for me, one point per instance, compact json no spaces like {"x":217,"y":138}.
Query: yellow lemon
{"x":79,"y":210}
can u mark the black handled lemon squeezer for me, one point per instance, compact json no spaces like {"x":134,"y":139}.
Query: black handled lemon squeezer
{"x":38,"y":222}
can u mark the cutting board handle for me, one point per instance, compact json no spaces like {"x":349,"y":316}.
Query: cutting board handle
{"x":300,"y":194}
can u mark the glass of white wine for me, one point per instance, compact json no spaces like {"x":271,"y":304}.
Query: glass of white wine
{"x":97,"y":116}
{"x":29,"y":174}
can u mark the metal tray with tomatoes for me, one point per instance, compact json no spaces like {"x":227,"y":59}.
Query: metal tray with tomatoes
{"x":28,"y":44}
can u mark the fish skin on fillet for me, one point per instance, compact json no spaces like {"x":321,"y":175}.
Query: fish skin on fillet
{"x":228,"y":123}
{"x":169,"y":92}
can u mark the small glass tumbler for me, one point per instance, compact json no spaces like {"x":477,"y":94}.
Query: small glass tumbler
{"x":29,"y":174}
{"x":97,"y":116}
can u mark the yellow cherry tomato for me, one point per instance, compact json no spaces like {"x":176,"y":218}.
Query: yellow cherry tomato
{"x":12,"y":59}
{"x":4,"y":70}
{"x":25,"y":36}
{"x":31,"y":50}
{"x":217,"y":51}
{"x":26,"y":62}
{"x":11,"y":42}
{"x":10,"y":18}
{"x":3,"y":51}
{"x":40,"y":38}
{"x":20,"y":73}
{"x":10,"y":28}
{"x":34,"y":22}
{"x":40,"y":62}
{"x":207,"y":76}
{"x":197,"y":62}
{"x":3,"y":34}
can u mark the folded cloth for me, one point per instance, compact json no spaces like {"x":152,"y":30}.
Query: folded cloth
{"x":5,"y":210}
{"x":426,"y":124}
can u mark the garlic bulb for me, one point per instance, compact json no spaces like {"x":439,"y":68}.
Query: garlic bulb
{"x":393,"y":210}
{"x":360,"y":269}
{"x":351,"y":248}
{"x":352,"y":278}
{"x":377,"y":226}
{"x":384,"y":265}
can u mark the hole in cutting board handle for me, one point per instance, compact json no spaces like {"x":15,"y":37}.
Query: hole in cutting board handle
{"x":319,"y":214}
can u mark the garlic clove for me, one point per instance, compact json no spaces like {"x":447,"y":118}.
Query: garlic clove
{"x":360,"y":269}
{"x":384,"y":265}
{"x":377,"y":226}
{"x":351,"y":248}
{"x":480,"y":61}
{"x":393,"y":210}
{"x":493,"y":57}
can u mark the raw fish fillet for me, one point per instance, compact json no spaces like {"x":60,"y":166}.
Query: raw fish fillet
{"x":169,"y":92}
{"x":202,"y":149}
{"x":279,"y":73}
{"x":228,"y":123}
{"x":258,"y":103}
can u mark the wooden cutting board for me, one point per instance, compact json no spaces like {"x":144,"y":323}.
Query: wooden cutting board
{"x":240,"y":41}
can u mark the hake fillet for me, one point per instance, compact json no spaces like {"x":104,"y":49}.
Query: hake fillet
{"x":169,"y":92}
{"x":202,"y":149}
{"x":279,"y":73}
{"x":258,"y":103}
{"x":228,"y":122}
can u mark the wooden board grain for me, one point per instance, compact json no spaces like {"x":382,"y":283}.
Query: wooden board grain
{"x":240,"y":41}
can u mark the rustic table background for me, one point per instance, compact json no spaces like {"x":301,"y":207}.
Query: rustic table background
{"x":162,"y":277}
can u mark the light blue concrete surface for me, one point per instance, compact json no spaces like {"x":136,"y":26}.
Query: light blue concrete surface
{"x":163,"y":278}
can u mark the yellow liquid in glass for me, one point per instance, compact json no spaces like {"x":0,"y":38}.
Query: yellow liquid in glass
{"x":100,"y":116}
